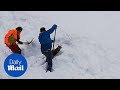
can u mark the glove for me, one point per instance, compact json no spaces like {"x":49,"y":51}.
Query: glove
{"x":55,"y":26}
{"x":20,"y":42}
{"x":52,"y":40}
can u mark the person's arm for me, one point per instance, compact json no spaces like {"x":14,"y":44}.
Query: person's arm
{"x":18,"y":40}
{"x":54,"y":27}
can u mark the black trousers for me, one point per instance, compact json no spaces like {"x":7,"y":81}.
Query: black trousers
{"x":49,"y":57}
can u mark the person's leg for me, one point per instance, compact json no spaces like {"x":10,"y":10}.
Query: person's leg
{"x":49,"y":60}
{"x":15,"y":49}
{"x":44,"y":53}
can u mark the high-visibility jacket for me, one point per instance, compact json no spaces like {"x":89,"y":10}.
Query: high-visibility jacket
{"x":11,"y":37}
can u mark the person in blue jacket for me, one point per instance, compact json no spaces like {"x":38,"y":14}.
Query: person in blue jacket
{"x":46,"y":44}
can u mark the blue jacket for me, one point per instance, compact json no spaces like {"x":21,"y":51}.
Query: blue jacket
{"x":45,"y":40}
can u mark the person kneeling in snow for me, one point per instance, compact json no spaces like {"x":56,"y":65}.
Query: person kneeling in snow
{"x":10,"y":40}
{"x":46,"y":44}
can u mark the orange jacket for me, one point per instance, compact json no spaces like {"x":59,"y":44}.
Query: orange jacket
{"x":11,"y":37}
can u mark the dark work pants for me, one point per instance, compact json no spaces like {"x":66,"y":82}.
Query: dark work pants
{"x":15,"y":48}
{"x":49,"y":57}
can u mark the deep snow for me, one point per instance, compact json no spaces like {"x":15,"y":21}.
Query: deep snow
{"x":90,"y":42}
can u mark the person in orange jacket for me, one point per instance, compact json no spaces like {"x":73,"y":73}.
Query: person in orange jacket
{"x":10,"y":40}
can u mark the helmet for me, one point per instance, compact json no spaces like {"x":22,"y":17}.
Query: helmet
{"x":42,"y":29}
{"x":19,"y":28}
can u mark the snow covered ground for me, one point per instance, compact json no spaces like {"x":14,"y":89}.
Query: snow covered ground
{"x":90,"y":41}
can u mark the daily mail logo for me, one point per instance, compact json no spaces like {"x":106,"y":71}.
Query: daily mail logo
{"x":15,"y":65}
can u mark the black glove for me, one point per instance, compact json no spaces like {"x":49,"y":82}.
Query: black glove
{"x":20,"y":42}
{"x":52,"y":40}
